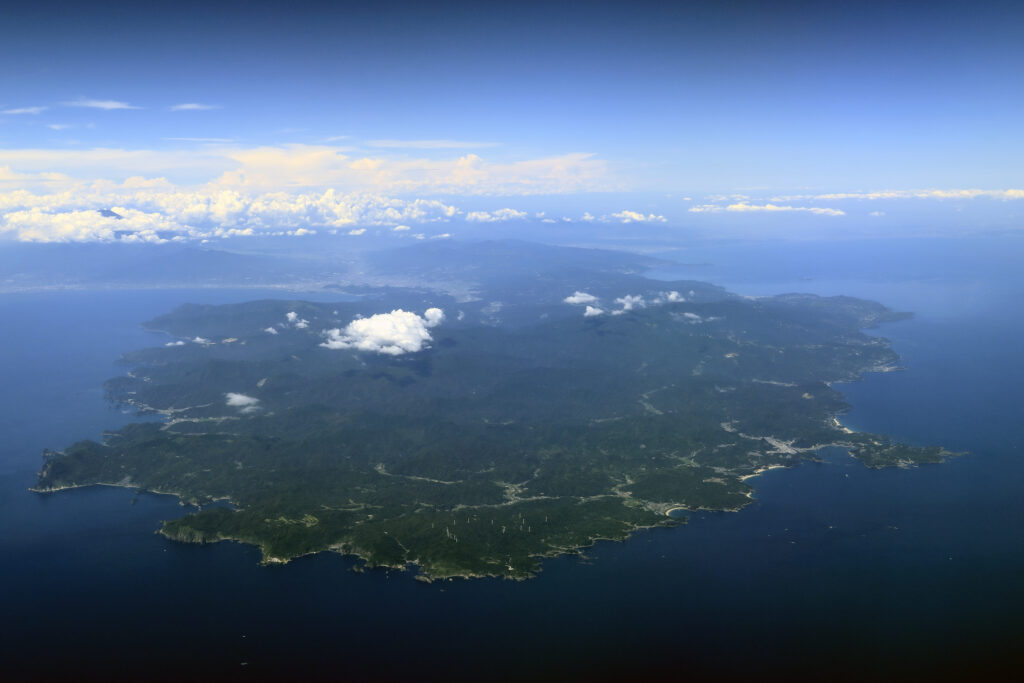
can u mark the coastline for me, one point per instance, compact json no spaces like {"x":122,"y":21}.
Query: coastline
{"x":416,"y":570}
{"x":661,"y":512}
{"x":121,"y":485}
{"x":766,"y":468}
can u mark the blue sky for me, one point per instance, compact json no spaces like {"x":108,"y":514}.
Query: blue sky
{"x":439,"y":100}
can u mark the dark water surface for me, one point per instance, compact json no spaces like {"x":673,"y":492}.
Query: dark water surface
{"x":836,"y":572}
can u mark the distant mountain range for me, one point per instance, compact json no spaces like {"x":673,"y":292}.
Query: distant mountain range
{"x":460,"y":268}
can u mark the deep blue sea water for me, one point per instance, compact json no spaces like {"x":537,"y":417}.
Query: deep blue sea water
{"x":836,"y":572}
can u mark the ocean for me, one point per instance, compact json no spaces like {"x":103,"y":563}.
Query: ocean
{"x":835,"y":572}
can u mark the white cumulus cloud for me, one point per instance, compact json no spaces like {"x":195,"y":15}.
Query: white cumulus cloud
{"x":629,"y":302}
{"x":580,"y":298}
{"x":433,"y":316}
{"x":495,"y":216}
{"x":636,"y":217}
{"x":247,"y":404}
{"x":393,"y":333}
{"x":592,"y":311}
{"x":669,"y":298}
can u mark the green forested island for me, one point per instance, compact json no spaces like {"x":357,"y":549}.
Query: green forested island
{"x":477,"y":423}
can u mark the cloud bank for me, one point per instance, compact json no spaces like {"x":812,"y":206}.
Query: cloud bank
{"x":495,"y":216}
{"x":317,"y":166}
{"x":744,"y":207}
{"x":911,"y":194}
{"x":153,"y":210}
{"x":783,"y":203}
{"x":243,"y":191}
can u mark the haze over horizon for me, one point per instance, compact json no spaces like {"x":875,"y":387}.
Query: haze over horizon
{"x":796,"y":120}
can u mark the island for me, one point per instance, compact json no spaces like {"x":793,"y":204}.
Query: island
{"x":478,"y":420}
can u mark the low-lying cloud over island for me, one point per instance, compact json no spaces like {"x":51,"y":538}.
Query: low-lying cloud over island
{"x":393,"y":333}
{"x":245,"y":404}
